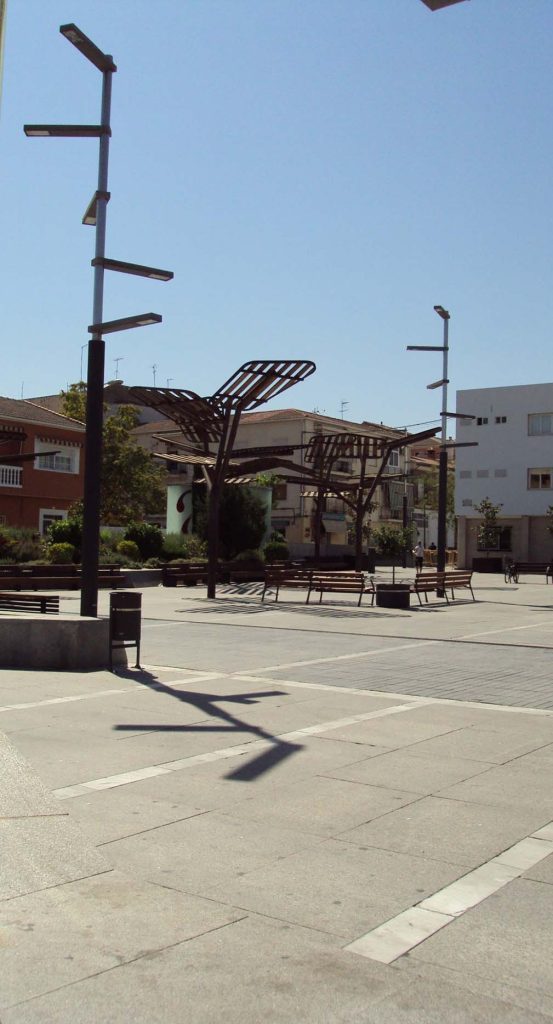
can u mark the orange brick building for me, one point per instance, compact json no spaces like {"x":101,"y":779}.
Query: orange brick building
{"x":35,"y":491}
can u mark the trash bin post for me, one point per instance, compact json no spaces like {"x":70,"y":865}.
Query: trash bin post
{"x":125,"y":610}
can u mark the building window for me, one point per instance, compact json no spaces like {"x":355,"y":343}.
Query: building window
{"x":539,"y":479}
{"x":280,"y":492}
{"x":482,"y":473}
{"x":66,"y":460}
{"x":500,"y":472}
{"x":393,"y":460}
{"x":48,"y":516}
{"x":500,"y":419}
{"x":481,"y":421}
{"x":342,"y":466}
{"x":540,"y":423}
{"x":465,"y":474}
{"x":501,"y":541}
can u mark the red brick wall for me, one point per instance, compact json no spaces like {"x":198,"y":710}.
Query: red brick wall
{"x":41,"y":488}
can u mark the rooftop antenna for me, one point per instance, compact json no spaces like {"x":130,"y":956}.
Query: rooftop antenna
{"x":343,"y":407}
{"x":169,"y":380}
{"x":118,"y":360}
{"x":22,"y":385}
{"x":154,"y":368}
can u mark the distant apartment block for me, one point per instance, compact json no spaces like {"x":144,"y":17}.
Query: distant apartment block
{"x":42,"y":472}
{"x":512,"y":466}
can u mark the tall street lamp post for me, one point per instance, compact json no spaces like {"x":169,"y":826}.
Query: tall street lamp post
{"x":95,"y":215}
{"x":442,"y":470}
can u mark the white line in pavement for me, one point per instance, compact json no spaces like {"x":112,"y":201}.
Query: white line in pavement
{"x":346,"y":657}
{"x":397,"y":936}
{"x":417,"y":699}
{"x":125,"y":778}
{"x":175,"y":683}
{"x":506,"y":629}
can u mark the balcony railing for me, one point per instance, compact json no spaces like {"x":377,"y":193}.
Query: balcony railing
{"x":10,"y":476}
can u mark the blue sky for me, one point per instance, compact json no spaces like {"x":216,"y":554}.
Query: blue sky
{"x":318,"y":175}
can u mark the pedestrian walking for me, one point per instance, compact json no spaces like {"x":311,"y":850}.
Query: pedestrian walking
{"x":418,"y":552}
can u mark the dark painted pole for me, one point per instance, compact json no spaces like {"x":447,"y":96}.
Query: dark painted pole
{"x":95,"y":383}
{"x":442,"y":470}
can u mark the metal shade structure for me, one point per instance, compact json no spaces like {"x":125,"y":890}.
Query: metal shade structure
{"x":357,"y":493}
{"x":214,"y":421}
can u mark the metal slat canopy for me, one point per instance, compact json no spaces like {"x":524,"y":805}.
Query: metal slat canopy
{"x":213,"y":421}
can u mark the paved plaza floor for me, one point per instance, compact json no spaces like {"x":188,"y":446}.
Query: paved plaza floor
{"x":289,"y":814}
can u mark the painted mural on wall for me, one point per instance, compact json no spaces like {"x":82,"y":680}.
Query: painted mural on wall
{"x":179,"y":509}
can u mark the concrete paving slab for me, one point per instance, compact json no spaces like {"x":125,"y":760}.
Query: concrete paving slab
{"x":450,"y":830}
{"x":112,"y":814}
{"x":542,"y":872}
{"x":431,"y":1000}
{"x":41,"y":852}
{"x":507,"y":786}
{"x":323,"y":806}
{"x":61,"y":935}
{"x":335,"y":888}
{"x":524,"y":1004}
{"x":399,"y":770}
{"x":254,"y":970}
{"x":393,"y":732}
{"x":209,"y":849}
{"x":478,"y":744}
{"x":506,"y":936}
{"x":22,"y":793}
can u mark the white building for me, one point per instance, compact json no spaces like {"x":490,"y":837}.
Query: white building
{"x":512,"y":466}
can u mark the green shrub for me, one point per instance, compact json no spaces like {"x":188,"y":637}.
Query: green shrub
{"x":26,"y":545}
{"x":61,"y":554}
{"x":147,"y":537}
{"x":276,"y":551}
{"x":153,"y":563}
{"x":252,"y":555}
{"x":129,"y":549}
{"x":5,"y":545}
{"x":183,"y":546}
{"x":66,"y":531}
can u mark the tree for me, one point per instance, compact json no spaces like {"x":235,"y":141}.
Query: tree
{"x":242,"y":519}
{"x":132,"y":486}
{"x":393,"y":541}
{"x":488,"y":529}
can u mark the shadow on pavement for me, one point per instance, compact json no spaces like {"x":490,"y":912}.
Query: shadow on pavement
{"x":225,"y":722}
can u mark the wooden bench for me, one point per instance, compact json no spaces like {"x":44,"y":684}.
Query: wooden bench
{"x":514,"y":570}
{"x":186,"y":574}
{"x":427,"y":583}
{"x":29,"y":602}
{"x":293,"y":579}
{"x":346,"y":582}
{"x":459,"y":580}
{"x":56,"y":577}
{"x":432,"y":582}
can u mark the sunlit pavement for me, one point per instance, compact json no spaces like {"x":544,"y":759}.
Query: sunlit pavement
{"x":289,"y":814}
